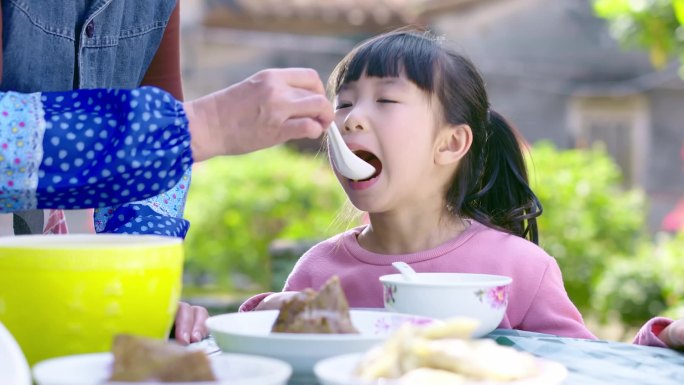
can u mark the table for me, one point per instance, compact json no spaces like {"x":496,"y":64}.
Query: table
{"x":589,"y":362}
{"x":594,"y":362}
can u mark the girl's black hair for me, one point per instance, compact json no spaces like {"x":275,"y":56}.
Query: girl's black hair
{"x":490,"y":184}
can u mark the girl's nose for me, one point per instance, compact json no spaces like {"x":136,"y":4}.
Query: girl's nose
{"x":350,"y":127}
{"x":354,"y":122}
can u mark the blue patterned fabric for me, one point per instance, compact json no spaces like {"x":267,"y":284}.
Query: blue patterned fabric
{"x":21,"y":133}
{"x":161,"y":214}
{"x":110,"y":148}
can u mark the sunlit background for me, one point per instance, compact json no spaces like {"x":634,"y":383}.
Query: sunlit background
{"x":600,"y":100}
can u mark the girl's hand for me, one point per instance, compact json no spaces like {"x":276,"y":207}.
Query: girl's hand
{"x":190,"y":323}
{"x":276,"y":300}
{"x":673,"y":335}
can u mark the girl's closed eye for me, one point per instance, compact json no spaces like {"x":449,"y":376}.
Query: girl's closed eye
{"x":383,"y":100}
{"x":341,"y":105}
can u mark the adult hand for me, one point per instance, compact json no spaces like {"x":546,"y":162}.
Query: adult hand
{"x":190,"y":323}
{"x":268,"y":108}
{"x":276,"y":300}
{"x":673,"y":334}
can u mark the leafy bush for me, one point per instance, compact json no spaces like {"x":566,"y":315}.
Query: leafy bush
{"x":669,"y":254}
{"x":588,"y":219}
{"x":238,"y":205}
{"x":634,"y":290}
{"x":630,"y":289}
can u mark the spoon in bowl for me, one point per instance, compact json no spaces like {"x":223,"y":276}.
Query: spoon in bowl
{"x":344,"y":160}
{"x":406,"y":271}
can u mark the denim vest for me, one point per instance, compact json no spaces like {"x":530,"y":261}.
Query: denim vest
{"x":59,"y":45}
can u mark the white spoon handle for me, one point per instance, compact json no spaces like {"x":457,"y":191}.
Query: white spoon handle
{"x":406,"y":271}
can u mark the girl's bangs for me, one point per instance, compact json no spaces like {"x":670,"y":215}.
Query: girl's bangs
{"x":391,"y":56}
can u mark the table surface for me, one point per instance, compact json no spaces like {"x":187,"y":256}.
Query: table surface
{"x":589,"y":362}
{"x":594,"y":362}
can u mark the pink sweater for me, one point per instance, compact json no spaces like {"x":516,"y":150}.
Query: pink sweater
{"x":538,"y":301}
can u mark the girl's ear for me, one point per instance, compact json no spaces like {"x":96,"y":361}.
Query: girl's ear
{"x":453,"y":144}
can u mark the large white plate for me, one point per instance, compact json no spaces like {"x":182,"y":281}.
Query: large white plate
{"x":14,"y":369}
{"x":339,"y":370}
{"x":250,"y":333}
{"x":94,"y":369}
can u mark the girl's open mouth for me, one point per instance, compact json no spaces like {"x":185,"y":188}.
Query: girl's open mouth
{"x":372,"y":160}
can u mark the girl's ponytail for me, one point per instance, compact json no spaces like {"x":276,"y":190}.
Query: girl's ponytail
{"x":496,"y":190}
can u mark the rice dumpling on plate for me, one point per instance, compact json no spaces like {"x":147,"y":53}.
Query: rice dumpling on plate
{"x":325,"y":311}
{"x":145,"y":359}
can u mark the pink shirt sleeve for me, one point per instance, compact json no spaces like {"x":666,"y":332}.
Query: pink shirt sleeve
{"x":552,"y":311}
{"x":648,"y":334}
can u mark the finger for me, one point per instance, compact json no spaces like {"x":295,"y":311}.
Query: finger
{"x":312,"y":106}
{"x":199,"y":328}
{"x":675,"y":334}
{"x":184,"y":322}
{"x":300,"y":128}
{"x":271,"y":302}
{"x":305,"y":78}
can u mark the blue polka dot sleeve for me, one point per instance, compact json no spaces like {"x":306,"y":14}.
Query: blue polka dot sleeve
{"x":117,"y":150}
{"x":161,"y":214}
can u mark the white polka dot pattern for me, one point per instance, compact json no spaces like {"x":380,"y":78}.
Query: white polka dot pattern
{"x":166,"y":216}
{"x":100,"y":148}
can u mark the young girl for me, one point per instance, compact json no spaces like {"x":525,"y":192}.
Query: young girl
{"x":450,"y":193}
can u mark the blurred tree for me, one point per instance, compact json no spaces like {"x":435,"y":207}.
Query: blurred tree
{"x":589,"y":219}
{"x":669,"y":251}
{"x":654,"y":25}
{"x":238,"y":206}
{"x":631,"y":290}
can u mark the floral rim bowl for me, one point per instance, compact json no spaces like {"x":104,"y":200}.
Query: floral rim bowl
{"x":483,"y":297}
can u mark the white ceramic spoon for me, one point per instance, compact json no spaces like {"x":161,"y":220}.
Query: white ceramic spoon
{"x":344,"y":160}
{"x":406,"y":271}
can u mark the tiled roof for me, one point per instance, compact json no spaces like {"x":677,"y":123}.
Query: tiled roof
{"x":320,"y":16}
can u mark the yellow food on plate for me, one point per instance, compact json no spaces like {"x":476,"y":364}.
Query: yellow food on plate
{"x":325,"y":311}
{"x":143,"y":359}
{"x":449,"y":355}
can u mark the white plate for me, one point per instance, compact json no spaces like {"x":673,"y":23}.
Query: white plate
{"x":14,"y":369}
{"x":250,"y":333}
{"x":339,"y":370}
{"x":94,"y":369}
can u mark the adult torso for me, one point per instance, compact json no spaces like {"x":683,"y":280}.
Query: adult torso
{"x":60,"y":45}
{"x":57,"y":45}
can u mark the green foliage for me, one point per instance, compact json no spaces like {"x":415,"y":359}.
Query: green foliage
{"x":588,"y":219}
{"x":238,"y":205}
{"x":669,"y":252}
{"x":634,"y":290}
{"x":654,"y":25}
{"x":630,"y":289}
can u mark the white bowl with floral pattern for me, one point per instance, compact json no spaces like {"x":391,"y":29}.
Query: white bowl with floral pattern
{"x":483,"y":297}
